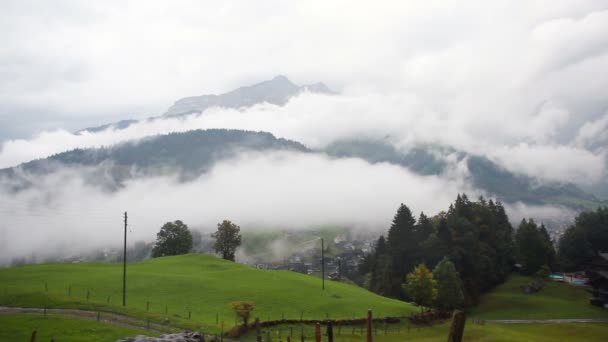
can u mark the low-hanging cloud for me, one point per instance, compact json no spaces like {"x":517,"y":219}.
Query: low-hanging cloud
{"x":526,"y":146}
{"x":281,"y":189}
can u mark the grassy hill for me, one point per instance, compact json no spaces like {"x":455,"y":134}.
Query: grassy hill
{"x":200,"y":284}
{"x":556,"y":300}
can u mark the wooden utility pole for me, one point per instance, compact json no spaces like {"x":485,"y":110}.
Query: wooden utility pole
{"x":322,"y":264}
{"x":124,"y":267}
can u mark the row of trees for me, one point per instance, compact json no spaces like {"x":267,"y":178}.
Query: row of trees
{"x":587,"y":237}
{"x":475,"y":235}
{"x":174,"y":238}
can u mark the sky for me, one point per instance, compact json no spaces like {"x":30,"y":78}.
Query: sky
{"x":70,"y":64}
{"x":520,"y":82}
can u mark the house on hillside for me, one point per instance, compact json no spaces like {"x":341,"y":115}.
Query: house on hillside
{"x":597,"y":272}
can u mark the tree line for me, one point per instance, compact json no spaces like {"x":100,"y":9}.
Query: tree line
{"x":476,"y":237}
{"x":583,"y":240}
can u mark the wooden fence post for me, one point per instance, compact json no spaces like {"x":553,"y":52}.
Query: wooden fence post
{"x":457,"y":330}
{"x":330,"y":332}
{"x":318,"y":332}
{"x":369,"y":326}
{"x":222,"y":333}
{"x":33,"y":338}
{"x":257,"y":330}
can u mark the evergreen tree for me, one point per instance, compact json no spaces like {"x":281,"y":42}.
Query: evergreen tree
{"x":595,"y":226}
{"x":574,"y":249}
{"x":530,"y":247}
{"x":549,"y":249}
{"x":476,"y":236}
{"x":401,"y":242}
{"x":586,"y":238}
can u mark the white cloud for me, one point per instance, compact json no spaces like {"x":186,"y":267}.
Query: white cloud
{"x":553,"y":163}
{"x":255,"y":191}
{"x":524,"y":146}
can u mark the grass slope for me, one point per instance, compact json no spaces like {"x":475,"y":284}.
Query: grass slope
{"x":556,"y":300}
{"x":65,"y":329}
{"x":201,"y":284}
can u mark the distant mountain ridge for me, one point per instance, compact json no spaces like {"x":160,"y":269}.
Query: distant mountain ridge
{"x":191,"y":154}
{"x":484,"y":174}
{"x":187,"y":154}
{"x":278,"y":91}
{"x":275,"y":91}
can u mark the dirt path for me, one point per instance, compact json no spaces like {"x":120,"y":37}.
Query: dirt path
{"x":106,"y":317}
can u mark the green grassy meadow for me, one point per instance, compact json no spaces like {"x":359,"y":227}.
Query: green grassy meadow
{"x":556,"y":300}
{"x":198,"y":285}
{"x":64,"y":329}
{"x":204,"y":286}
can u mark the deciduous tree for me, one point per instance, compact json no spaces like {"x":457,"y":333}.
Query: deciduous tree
{"x":449,"y":286}
{"x":174,"y":238}
{"x":227,"y":239}
{"x":420,"y":286}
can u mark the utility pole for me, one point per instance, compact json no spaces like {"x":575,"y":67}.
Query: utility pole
{"x":124,"y":267}
{"x":322,"y":264}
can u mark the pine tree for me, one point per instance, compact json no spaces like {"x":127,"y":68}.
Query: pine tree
{"x":530,"y":246}
{"x":549,"y":249}
{"x":401,"y":242}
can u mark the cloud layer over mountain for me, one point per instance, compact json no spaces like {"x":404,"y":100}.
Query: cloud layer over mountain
{"x":284,"y":190}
